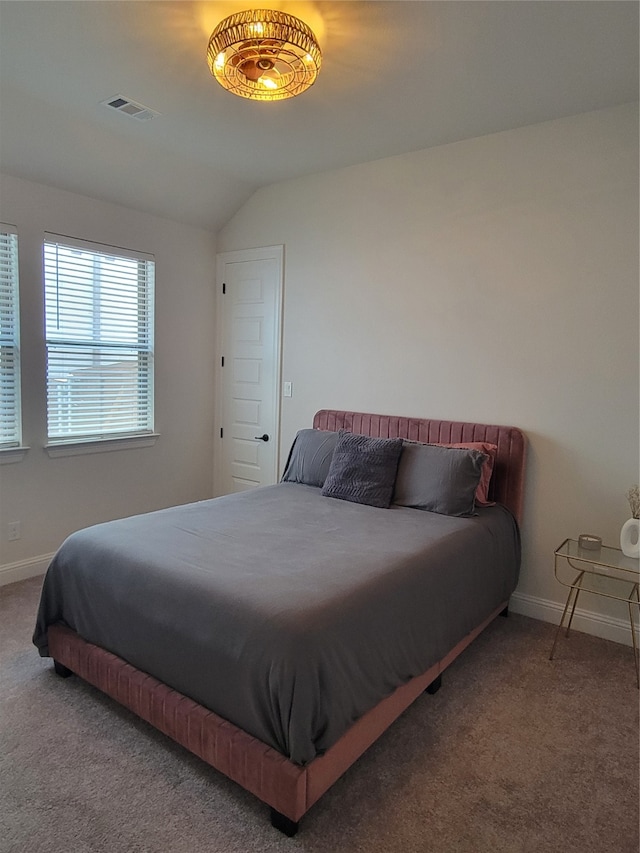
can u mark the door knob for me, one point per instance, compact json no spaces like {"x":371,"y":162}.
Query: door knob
{"x":264,"y":437}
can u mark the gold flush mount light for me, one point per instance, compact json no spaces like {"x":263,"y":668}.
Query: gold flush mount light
{"x":264,"y":55}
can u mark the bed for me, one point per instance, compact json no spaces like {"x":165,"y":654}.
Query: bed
{"x":276,"y":633}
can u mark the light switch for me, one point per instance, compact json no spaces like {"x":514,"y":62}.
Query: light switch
{"x":288,"y":389}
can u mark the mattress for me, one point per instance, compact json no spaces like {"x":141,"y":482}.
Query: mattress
{"x":288,"y":613}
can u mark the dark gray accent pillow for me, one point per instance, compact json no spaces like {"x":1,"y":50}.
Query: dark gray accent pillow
{"x":363,"y":469}
{"x":310,"y":457}
{"x":438,"y":479}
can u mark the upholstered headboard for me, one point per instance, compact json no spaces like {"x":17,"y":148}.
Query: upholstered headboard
{"x":507,"y":481}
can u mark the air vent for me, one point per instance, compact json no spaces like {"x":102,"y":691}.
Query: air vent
{"x":130,"y":108}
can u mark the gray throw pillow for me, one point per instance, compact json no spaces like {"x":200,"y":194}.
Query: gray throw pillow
{"x":363,"y":469}
{"x":310,"y":457}
{"x":438,"y":479}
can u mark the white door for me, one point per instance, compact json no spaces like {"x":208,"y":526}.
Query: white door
{"x":249,"y":303}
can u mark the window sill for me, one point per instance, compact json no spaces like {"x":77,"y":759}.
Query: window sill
{"x":12,"y":454}
{"x":102,"y":445}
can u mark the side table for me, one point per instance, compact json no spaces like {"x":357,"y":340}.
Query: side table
{"x":590,"y":568}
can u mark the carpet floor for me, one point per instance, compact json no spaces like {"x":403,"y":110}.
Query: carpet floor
{"x":515,"y":754}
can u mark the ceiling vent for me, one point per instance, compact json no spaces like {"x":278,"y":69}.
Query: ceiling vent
{"x":130,"y":108}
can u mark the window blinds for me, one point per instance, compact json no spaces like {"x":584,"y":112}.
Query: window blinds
{"x":99,"y":330}
{"x":10,"y":431}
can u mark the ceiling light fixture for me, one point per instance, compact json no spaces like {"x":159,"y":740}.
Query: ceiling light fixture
{"x":264,"y":55}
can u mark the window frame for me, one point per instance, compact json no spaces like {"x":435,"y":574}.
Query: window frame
{"x":76,"y":441}
{"x":11,"y":448}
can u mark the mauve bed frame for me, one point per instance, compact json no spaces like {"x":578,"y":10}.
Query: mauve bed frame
{"x":291,"y":789}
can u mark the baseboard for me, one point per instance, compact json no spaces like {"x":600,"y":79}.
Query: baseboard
{"x":597,"y":624}
{"x":23,"y":569}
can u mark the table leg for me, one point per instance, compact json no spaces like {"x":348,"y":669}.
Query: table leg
{"x":636,"y":654}
{"x":559,"y":628}
{"x":573,"y":609}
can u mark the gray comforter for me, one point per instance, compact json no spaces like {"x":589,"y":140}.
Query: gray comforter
{"x":288,"y":613}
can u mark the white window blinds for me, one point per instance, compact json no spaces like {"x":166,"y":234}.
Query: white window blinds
{"x":99,"y":330}
{"x":10,"y":430}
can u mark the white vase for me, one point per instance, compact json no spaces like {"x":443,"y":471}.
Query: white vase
{"x":630,"y":538}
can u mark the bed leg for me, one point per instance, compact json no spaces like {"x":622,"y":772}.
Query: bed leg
{"x":284,"y":823}
{"x":435,"y":685}
{"x":62,"y":670}
{"x":505,"y":612}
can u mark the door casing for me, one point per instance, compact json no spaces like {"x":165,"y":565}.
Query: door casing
{"x":222,"y":259}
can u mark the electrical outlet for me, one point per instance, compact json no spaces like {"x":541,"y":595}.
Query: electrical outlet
{"x":14,"y":530}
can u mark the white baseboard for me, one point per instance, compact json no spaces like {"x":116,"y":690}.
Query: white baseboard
{"x":23,"y":569}
{"x":597,"y":624}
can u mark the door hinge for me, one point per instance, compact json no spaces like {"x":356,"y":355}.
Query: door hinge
{"x":222,"y":362}
{"x":221,"y":432}
{"x":224,"y":288}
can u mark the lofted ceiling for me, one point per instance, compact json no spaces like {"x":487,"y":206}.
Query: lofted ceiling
{"x":397,"y":76}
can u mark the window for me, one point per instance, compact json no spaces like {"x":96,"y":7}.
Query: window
{"x":10,"y":426}
{"x":99,"y":330}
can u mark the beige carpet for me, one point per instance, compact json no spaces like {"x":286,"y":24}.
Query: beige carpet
{"x":515,"y":754}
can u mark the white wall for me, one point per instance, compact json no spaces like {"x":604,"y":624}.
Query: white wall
{"x":492,"y":280}
{"x":53,"y":497}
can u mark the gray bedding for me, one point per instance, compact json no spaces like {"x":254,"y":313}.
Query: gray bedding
{"x":288,"y":613}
